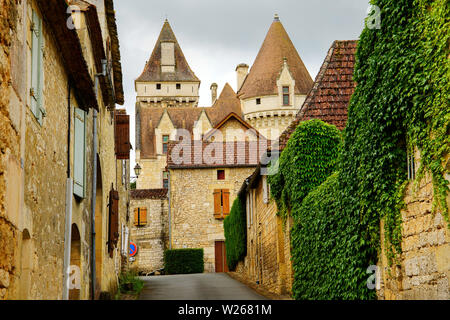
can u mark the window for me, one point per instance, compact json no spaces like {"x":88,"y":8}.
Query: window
{"x":37,"y":69}
{"x":79,"y":170}
{"x":221,"y":203}
{"x":286,"y":96}
{"x":220,"y":174}
{"x":178,"y":86}
{"x":140,"y":217}
{"x":165,"y":143}
{"x":158,"y":86}
{"x":166,"y":180}
{"x":258,"y":101}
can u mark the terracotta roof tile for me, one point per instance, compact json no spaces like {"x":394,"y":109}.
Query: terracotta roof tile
{"x":329,"y":98}
{"x":148,"y":194}
{"x":152,"y":70}
{"x":262,"y":78}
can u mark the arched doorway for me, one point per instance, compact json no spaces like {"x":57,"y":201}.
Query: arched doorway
{"x":75,"y":265}
{"x":26,"y":258}
{"x":98,"y":230}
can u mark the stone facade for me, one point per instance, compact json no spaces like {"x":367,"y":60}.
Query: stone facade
{"x":34,"y":162}
{"x":192,"y":220}
{"x":268,"y":259}
{"x":152,"y":239}
{"x":9,"y":152}
{"x":424,"y":269}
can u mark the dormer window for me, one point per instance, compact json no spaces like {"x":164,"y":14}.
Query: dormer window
{"x":167,"y":57}
{"x":258,"y":101}
{"x":286,"y":97}
{"x":158,"y":86}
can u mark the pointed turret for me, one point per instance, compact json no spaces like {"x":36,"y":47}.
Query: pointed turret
{"x":262,"y":79}
{"x":167,"y":62}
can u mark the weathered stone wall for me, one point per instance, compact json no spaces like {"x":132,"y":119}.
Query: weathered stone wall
{"x":8,"y":149}
{"x":268,"y":260}
{"x":192,"y":208}
{"x":153,"y":238}
{"x":424,"y":271}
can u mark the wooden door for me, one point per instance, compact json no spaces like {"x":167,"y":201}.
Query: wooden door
{"x":221,"y":257}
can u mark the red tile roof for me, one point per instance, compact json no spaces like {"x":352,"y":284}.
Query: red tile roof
{"x":329,"y":98}
{"x":152,"y":70}
{"x":201,"y":154}
{"x":262,"y":78}
{"x":154,"y":194}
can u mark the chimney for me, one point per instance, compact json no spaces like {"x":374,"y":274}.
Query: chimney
{"x":241,"y":72}
{"x":213,"y":88}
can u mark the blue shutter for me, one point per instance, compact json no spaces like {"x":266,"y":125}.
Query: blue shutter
{"x":79,"y":170}
{"x":37,"y":68}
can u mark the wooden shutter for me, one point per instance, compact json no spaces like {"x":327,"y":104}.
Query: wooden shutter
{"x":226,"y":202}
{"x":143,"y":216}
{"x":79,"y":170}
{"x":136,"y":216}
{"x":217,"y":204}
{"x":113,"y":220}
{"x":122,"y":142}
{"x":37,"y":68}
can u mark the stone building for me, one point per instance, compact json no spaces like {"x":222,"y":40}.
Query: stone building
{"x":202,"y":189}
{"x":268,"y":261}
{"x":59,"y":168}
{"x":167,"y":109}
{"x":150,"y":229}
{"x":423,"y":272}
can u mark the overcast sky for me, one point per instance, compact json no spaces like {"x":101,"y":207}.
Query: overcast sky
{"x":216,"y":36}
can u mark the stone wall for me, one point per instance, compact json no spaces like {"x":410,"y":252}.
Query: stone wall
{"x":192,"y":207}
{"x":424,"y":270}
{"x":268,"y":260}
{"x":153,"y":238}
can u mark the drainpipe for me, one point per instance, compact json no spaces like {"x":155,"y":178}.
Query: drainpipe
{"x":68,"y":218}
{"x":94,"y":181}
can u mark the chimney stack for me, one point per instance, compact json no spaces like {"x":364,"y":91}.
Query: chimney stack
{"x":213,"y":88}
{"x":241,"y":72}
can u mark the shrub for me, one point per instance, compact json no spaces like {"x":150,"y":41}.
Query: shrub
{"x":183,"y":261}
{"x":129,"y":283}
{"x":235,"y":226}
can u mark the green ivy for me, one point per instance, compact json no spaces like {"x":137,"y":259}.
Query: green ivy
{"x":235,"y":228}
{"x":401,"y":100}
{"x":307,"y":161}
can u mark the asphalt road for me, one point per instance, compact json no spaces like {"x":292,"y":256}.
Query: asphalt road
{"x":206,"y":286}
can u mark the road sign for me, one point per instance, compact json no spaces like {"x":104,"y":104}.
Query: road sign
{"x":133,"y":249}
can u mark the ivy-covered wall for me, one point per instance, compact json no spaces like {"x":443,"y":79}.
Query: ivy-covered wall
{"x":235,"y":228}
{"x":309,"y":158}
{"x":401,"y":101}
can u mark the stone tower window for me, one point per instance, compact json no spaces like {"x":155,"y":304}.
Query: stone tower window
{"x":258,"y":101}
{"x":178,"y":86}
{"x":286,"y":97}
{"x":158,"y":86}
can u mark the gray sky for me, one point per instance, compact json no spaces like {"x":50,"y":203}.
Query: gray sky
{"x":216,"y":36}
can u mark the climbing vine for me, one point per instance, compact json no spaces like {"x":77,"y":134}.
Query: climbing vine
{"x":401,"y":101}
{"x":235,"y":228}
{"x":308,"y":159}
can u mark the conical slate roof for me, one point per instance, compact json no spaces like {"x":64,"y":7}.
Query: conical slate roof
{"x":262,"y":79}
{"x":152,"y":71}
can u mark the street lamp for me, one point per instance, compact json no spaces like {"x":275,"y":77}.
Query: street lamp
{"x":137,"y":170}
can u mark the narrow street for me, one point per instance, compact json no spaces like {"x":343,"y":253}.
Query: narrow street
{"x":206,"y":286}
